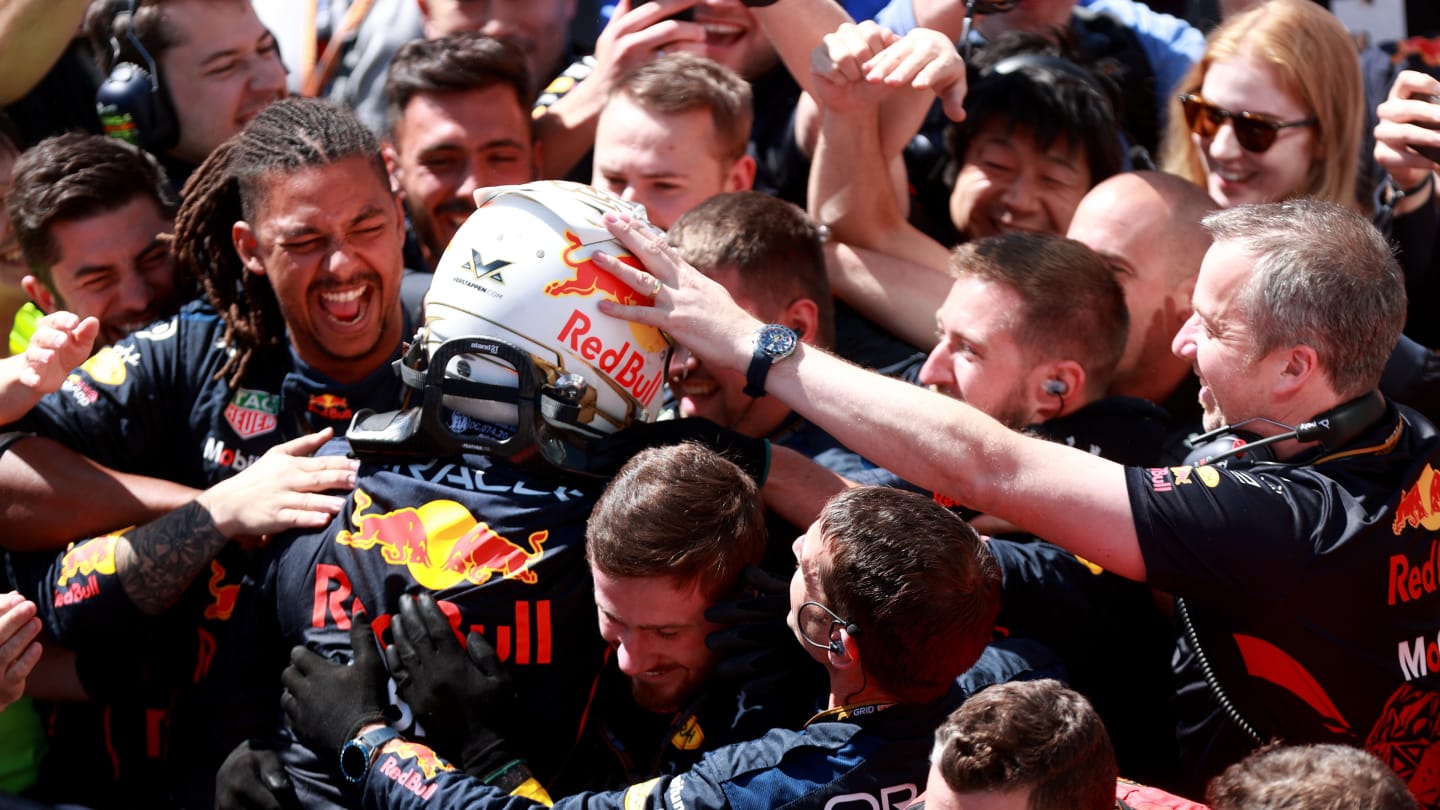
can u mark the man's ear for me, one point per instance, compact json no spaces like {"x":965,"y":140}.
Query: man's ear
{"x":741,"y":176}
{"x":247,"y":247}
{"x":844,"y":650}
{"x":392,"y":166}
{"x":1301,"y":364}
{"x":803,"y":315}
{"x":43,"y":296}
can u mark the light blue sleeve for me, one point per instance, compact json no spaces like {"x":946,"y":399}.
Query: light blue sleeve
{"x":898,"y":16}
{"x":1171,"y":44}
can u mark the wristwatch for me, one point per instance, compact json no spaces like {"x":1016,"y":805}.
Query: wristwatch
{"x":773,"y":343}
{"x":357,"y":755}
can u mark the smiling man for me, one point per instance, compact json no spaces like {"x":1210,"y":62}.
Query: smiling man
{"x":657,"y":570}
{"x":458,"y":114}
{"x":218,"y":68}
{"x":90,"y":214}
{"x":1296,"y":309}
{"x":296,"y":237}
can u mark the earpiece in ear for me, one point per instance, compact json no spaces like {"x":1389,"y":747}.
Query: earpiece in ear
{"x":1056,"y":388}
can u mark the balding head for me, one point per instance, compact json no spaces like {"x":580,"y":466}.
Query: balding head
{"x":1147,"y":225}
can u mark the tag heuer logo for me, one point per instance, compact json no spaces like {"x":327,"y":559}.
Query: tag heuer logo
{"x":252,"y":413}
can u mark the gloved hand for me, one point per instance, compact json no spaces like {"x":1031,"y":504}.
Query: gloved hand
{"x":749,"y":454}
{"x":463,"y":697}
{"x":253,"y":778}
{"x":328,"y":702}
{"x":756,"y":645}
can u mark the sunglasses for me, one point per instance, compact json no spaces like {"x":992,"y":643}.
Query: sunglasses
{"x":1256,"y":132}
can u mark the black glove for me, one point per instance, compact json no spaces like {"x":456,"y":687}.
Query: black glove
{"x":749,"y":454}
{"x":757,"y":646}
{"x":462,"y":696}
{"x":328,"y":702}
{"x":253,"y":778}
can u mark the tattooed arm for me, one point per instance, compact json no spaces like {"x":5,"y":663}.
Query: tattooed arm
{"x":283,"y":490}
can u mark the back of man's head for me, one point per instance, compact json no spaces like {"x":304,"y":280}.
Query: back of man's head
{"x":772,"y":248}
{"x":1324,"y":277}
{"x":76,"y":176}
{"x":682,"y":82}
{"x":1035,"y":736}
{"x":918,"y":583}
{"x":1072,"y":307}
{"x":452,"y":64}
{"x":1319,"y":777}
{"x":681,"y":512}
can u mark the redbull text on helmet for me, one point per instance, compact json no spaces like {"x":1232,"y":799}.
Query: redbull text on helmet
{"x":625,"y":364}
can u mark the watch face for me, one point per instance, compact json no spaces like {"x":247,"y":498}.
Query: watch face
{"x":776,"y":341}
{"x":354,"y":760}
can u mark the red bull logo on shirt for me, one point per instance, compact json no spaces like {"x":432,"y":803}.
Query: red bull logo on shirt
{"x":94,"y":556}
{"x":1420,"y":504}
{"x":442,"y":544}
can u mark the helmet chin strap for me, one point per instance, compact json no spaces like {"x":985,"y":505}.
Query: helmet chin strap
{"x":429,"y":429}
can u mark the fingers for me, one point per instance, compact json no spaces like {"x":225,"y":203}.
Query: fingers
{"x":304,"y":445}
{"x":649,"y":246}
{"x":303,"y":662}
{"x":431,"y":618}
{"x":764,"y":581}
{"x":482,"y":655}
{"x":362,"y":640}
{"x":406,"y":654}
{"x":19,"y":628}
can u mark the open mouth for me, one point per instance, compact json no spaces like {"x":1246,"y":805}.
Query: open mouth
{"x":723,"y":35}
{"x":347,"y":305}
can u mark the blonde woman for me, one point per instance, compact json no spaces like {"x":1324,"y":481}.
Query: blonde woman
{"x":1273,"y":110}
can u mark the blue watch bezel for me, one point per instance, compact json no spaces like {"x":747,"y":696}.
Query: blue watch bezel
{"x":773,"y":342}
{"x":366,"y":744}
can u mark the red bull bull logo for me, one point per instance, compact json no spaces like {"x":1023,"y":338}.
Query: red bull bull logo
{"x":468,"y":550}
{"x":426,"y":761}
{"x":94,"y":556}
{"x":222,"y":596}
{"x":330,"y":406}
{"x":413,"y":777}
{"x":1420,"y":504}
{"x":589,"y":279}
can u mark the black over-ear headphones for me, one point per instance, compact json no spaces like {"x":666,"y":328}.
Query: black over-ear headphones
{"x":131,"y":103}
{"x":1331,"y":429}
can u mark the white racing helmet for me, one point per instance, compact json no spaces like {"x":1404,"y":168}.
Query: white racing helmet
{"x":514,"y":337}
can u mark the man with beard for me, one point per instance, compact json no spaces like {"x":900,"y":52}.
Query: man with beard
{"x":457,"y":109}
{"x":657,"y":572}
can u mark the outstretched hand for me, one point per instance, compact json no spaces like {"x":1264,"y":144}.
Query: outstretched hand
{"x":328,"y":702}
{"x":696,"y":311}
{"x":284,"y":489}
{"x":62,"y":341}
{"x":462,"y":696}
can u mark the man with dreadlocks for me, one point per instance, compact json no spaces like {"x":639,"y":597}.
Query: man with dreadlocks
{"x":295,"y":236}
